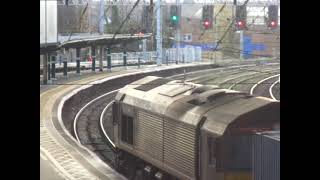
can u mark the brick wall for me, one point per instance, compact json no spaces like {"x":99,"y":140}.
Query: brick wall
{"x":270,"y":39}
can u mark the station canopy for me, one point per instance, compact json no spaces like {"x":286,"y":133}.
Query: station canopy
{"x":85,"y":40}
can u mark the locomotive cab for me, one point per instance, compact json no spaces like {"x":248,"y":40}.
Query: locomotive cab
{"x":226,"y":147}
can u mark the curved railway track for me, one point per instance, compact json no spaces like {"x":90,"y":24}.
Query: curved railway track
{"x":241,"y":80}
{"x":222,"y":76}
{"x":263,"y":85}
{"x":271,"y":88}
{"x":102,"y":118}
{"x":235,"y":80}
{"x":230,"y":79}
{"x":88,"y":131}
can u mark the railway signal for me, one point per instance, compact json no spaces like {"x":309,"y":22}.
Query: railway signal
{"x":207,"y":16}
{"x":272,"y":16}
{"x":240,"y":25}
{"x":174,"y":15}
{"x":174,"y":18}
{"x":273,"y":24}
{"x":147,"y":18}
{"x":241,"y":17}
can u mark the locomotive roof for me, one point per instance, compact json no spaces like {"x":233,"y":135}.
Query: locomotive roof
{"x":189,"y":103}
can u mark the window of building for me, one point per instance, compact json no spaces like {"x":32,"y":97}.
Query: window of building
{"x":127,"y":129}
{"x":187,"y":37}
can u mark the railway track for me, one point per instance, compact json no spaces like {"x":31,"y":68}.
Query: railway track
{"x":106,"y":115}
{"x":275,"y":91}
{"x":246,"y":84}
{"x":233,"y":78}
{"x":92,"y":125}
{"x":218,"y":77}
{"x":271,"y":90}
{"x":237,"y":79}
{"x":88,"y":131}
{"x":244,"y":79}
{"x":60,"y":105}
{"x":261,"y":87}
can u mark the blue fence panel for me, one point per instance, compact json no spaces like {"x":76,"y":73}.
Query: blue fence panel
{"x":249,"y":47}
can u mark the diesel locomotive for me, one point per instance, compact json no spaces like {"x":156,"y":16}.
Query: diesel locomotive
{"x":173,"y":129}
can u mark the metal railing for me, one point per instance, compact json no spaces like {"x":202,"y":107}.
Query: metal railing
{"x":187,"y":55}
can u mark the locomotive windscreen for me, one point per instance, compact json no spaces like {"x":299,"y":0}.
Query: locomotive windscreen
{"x":234,"y":153}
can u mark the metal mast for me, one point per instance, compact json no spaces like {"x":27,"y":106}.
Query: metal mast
{"x":101,"y":17}
{"x":178,"y":32}
{"x":159,"y":33}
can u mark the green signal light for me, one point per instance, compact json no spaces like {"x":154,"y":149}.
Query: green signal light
{"x":174,"y":18}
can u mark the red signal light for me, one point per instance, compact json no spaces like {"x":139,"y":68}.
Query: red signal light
{"x":206,"y":24}
{"x":272,"y":24}
{"x":240,"y":25}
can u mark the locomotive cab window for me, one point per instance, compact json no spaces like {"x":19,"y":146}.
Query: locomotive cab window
{"x":115,"y":109}
{"x":211,"y":150}
{"x":236,"y":153}
{"x":127,"y":129}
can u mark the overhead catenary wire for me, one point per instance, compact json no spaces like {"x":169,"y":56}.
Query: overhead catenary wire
{"x":181,"y":41}
{"x":80,"y":19}
{"x":121,"y":25}
{"x":215,"y":17}
{"x":231,"y":24}
{"x":162,"y":58}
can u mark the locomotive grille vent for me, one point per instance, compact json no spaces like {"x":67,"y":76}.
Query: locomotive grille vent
{"x":149,"y":132}
{"x":179,"y":146}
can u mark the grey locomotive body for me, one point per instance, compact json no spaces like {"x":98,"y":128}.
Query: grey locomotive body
{"x":173,"y":129}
